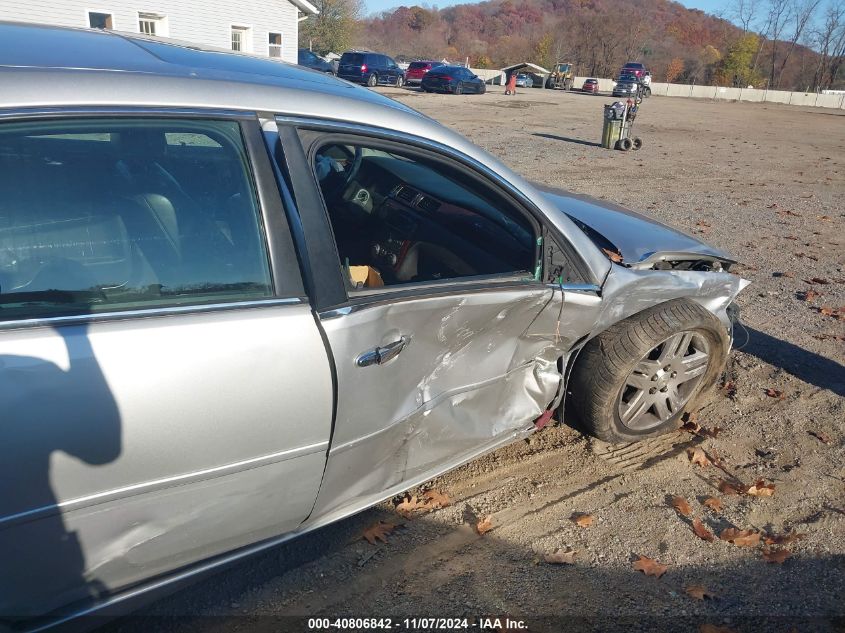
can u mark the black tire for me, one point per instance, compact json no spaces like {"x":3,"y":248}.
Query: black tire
{"x":372,"y":80}
{"x":602,"y":370}
{"x":400,"y":81}
{"x":646,"y":92}
{"x":637,"y":143}
{"x":483,"y":89}
{"x":459,"y":89}
{"x":624,"y":144}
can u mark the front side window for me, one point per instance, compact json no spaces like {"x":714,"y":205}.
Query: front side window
{"x":116,"y":214}
{"x":398,"y":218}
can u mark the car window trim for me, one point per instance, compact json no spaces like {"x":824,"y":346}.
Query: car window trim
{"x":581,"y":268}
{"x":403,"y":291}
{"x":264,"y":194}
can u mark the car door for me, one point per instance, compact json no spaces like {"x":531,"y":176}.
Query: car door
{"x":429,"y":373}
{"x":165,"y":394}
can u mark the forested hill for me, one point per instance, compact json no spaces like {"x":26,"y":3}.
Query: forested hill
{"x":677,"y":44}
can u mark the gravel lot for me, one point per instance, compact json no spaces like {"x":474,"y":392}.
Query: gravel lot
{"x":765,"y":182}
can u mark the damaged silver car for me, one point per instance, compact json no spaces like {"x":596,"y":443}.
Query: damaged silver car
{"x":240,"y":300}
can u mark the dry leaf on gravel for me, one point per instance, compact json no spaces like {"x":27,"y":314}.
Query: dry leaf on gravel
{"x":714,"y":503}
{"x":817,"y":280}
{"x":649,"y":566}
{"x":560,"y":557}
{"x":775,"y":393}
{"x":436,"y":499}
{"x":378,"y":532}
{"x":729,"y":388}
{"x":409,"y":505}
{"x":761,"y":489}
{"x":741,"y":538}
{"x":699,"y":592}
{"x":698,"y":456}
{"x":783,"y":539}
{"x":777,"y":556}
{"x":582,"y":519}
{"x":484,"y":526}
{"x":821,"y":436}
{"x":691,"y":426}
{"x":808,"y":295}
{"x":712,"y":433}
{"x":681,"y":505}
{"x":702,"y":532}
{"x":728,"y":488}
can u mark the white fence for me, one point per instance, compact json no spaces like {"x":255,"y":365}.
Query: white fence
{"x":717,"y":93}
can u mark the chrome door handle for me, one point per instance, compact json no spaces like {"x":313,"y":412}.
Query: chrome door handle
{"x":381,"y":355}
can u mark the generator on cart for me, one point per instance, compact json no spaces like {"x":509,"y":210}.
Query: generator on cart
{"x":619,"y":118}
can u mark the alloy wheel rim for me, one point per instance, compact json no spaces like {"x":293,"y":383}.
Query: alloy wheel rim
{"x":664,"y":380}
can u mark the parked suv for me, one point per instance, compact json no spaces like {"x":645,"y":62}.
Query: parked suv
{"x":369,"y":68}
{"x":314,"y":62}
{"x":201,"y":359}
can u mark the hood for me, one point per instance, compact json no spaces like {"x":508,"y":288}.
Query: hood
{"x":641,"y":241}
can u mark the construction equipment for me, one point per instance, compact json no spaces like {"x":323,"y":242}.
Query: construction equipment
{"x":561,"y":76}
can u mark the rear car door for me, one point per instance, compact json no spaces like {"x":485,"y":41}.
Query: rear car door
{"x":165,"y":394}
{"x":439,"y":326}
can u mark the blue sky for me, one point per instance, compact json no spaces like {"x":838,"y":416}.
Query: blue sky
{"x":374,"y":6}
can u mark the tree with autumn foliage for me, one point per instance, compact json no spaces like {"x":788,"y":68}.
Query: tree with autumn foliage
{"x":737,"y":67}
{"x":333,"y":28}
{"x":674,"y":69}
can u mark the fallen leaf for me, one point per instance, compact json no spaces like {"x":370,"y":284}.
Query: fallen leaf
{"x":409,"y":505}
{"x":699,"y":592}
{"x":484,"y":526}
{"x":783,"y":539}
{"x":714,"y":503}
{"x":649,"y":566}
{"x":785,"y":273}
{"x":698,"y":457}
{"x":777,"y":556}
{"x":824,"y":218}
{"x":680,"y":504}
{"x":741,"y":538}
{"x":817,"y":280}
{"x":613,"y":255}
{"x":378,"y":532}
{"x":582,"y":519}
{"x":436,"y":499}
{"x":821,"y":436}
{"x":712,"y":433}
{"x":760,"y":489}
{"x":808,"y":295}
{"x":560,"y":557}
{"x":729,"y":388}
{"x":702,"y":532}
{"x":691,"y":426}
{"x":775,"y":393}
{"x":727,"y":488}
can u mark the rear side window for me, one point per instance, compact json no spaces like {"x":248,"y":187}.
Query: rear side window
{"x":116,"y":214}
{"x":418,"y":65}
{"x":354,"y":59}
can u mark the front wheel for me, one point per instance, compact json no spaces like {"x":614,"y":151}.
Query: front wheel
{"x":400,"y":82}
{"x":482,"y":89}
{"x":636,"y":379}
{"x":372,"y":80}
{"x":459,"y":89}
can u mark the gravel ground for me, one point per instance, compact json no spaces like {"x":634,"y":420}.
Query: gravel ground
{"x":766,"y":183}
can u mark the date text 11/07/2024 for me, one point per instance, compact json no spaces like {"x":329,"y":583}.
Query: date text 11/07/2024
{"x":417,"y":624}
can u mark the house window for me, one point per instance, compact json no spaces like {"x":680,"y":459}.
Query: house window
{"x":274,"y":46}
{"x":152,"y":24}
{"x":240,"y":38}
{"x":100,"y":20}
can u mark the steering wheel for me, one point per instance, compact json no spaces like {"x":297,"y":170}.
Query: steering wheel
{"x":355,"y":167}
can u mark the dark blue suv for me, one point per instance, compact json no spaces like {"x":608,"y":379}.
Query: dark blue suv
{"x":368,"y":68}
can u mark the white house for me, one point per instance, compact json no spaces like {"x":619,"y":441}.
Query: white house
{"x":261,"y":27}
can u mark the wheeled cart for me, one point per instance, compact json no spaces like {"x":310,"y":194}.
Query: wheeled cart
{"x":618,"y":121}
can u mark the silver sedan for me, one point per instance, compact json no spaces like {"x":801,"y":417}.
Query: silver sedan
{"x":240,"y":300}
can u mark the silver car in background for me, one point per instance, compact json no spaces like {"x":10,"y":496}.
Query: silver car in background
{"x":240,"y":300}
